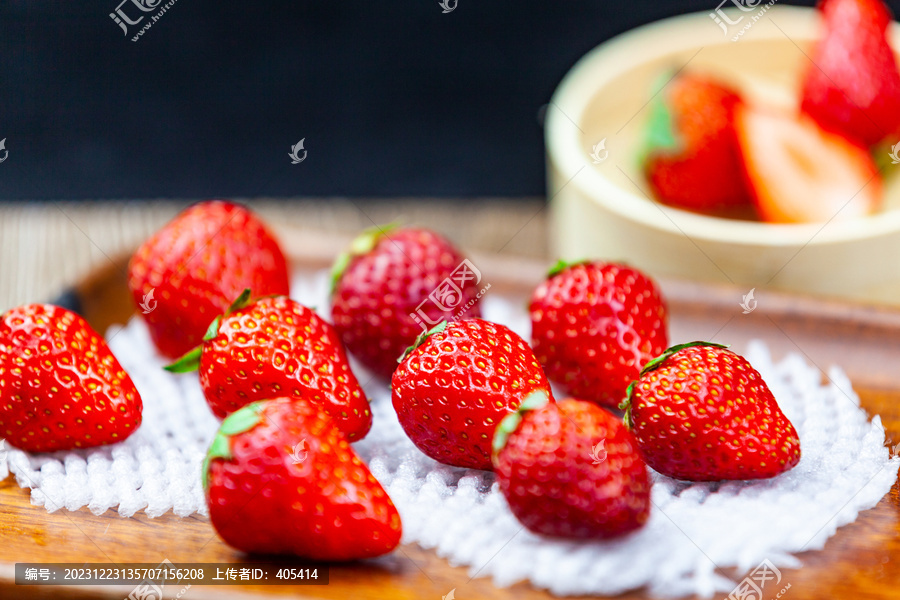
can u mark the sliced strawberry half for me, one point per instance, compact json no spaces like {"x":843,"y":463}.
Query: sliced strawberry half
{"x":692,"y":157}
{"x":853,"y":85}
{"x":800,"y":173}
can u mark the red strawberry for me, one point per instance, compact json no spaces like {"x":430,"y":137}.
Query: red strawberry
{"x":281,"y":478}
{"x":800,"y":173}
{"x":700,"y":412}
{"x":594,"y":325}
{"x":692,"y":156}
{"x":60,"y":385}
{"x":571,"y":469}
{"x":191,"y":270}
{"x":392,"y":286}
{"x":277,"y":347}
{"x":852,"y":85}
{"x":455,"y":386}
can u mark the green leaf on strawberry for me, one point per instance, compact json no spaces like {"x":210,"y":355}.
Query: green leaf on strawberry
{"x":653,"y":364}
{"x":239,"y":421}
{"x":362,"y":244}
{"x":191,"y":360}
{"x":421,"y":339}
{"x":511,"y":422}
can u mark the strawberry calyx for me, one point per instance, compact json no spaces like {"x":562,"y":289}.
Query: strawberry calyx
{"x":561,"y":265}
{"x":653,"y":365}
{"x":660,"y":134}
{"x":241,"y":420}
{"x":362,"y":244}
{"x":656,"y":362}
{"x":626,"y":406}
{"x":190,"y":361}
{"x":533,"y":401}
{"x":420,"y":339}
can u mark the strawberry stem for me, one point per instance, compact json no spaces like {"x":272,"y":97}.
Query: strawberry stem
{"x":533,"y":401}
{"x":420,"y":339}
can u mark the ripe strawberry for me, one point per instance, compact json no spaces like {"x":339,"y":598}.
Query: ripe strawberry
{"x":852,"y":85}
{"x":692,"y":156}
{"x":557,"y":480}
{"x":454,"y":387}
{"x":392,"y":285}
{"x":277,"y":347}
{"x":190,"y":270}
{"x":700,"y":412}
{"x":60,"y":385}
{"x":800,"y":173}
{"x":594,"y":325}
{"x":281,"y":478}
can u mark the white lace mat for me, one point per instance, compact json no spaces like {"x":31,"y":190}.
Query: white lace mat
{"x":693,"y":528}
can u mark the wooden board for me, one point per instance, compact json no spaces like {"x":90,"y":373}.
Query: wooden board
{"x":861,"y":561}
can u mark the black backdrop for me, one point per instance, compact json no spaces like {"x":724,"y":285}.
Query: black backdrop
{"x":392,"y":98}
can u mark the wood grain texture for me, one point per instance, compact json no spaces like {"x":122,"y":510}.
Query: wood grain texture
{"x":48,"y":246}
{"x":861,"y":561}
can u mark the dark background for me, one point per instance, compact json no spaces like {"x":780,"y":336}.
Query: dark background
{"x":394,"y":98}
